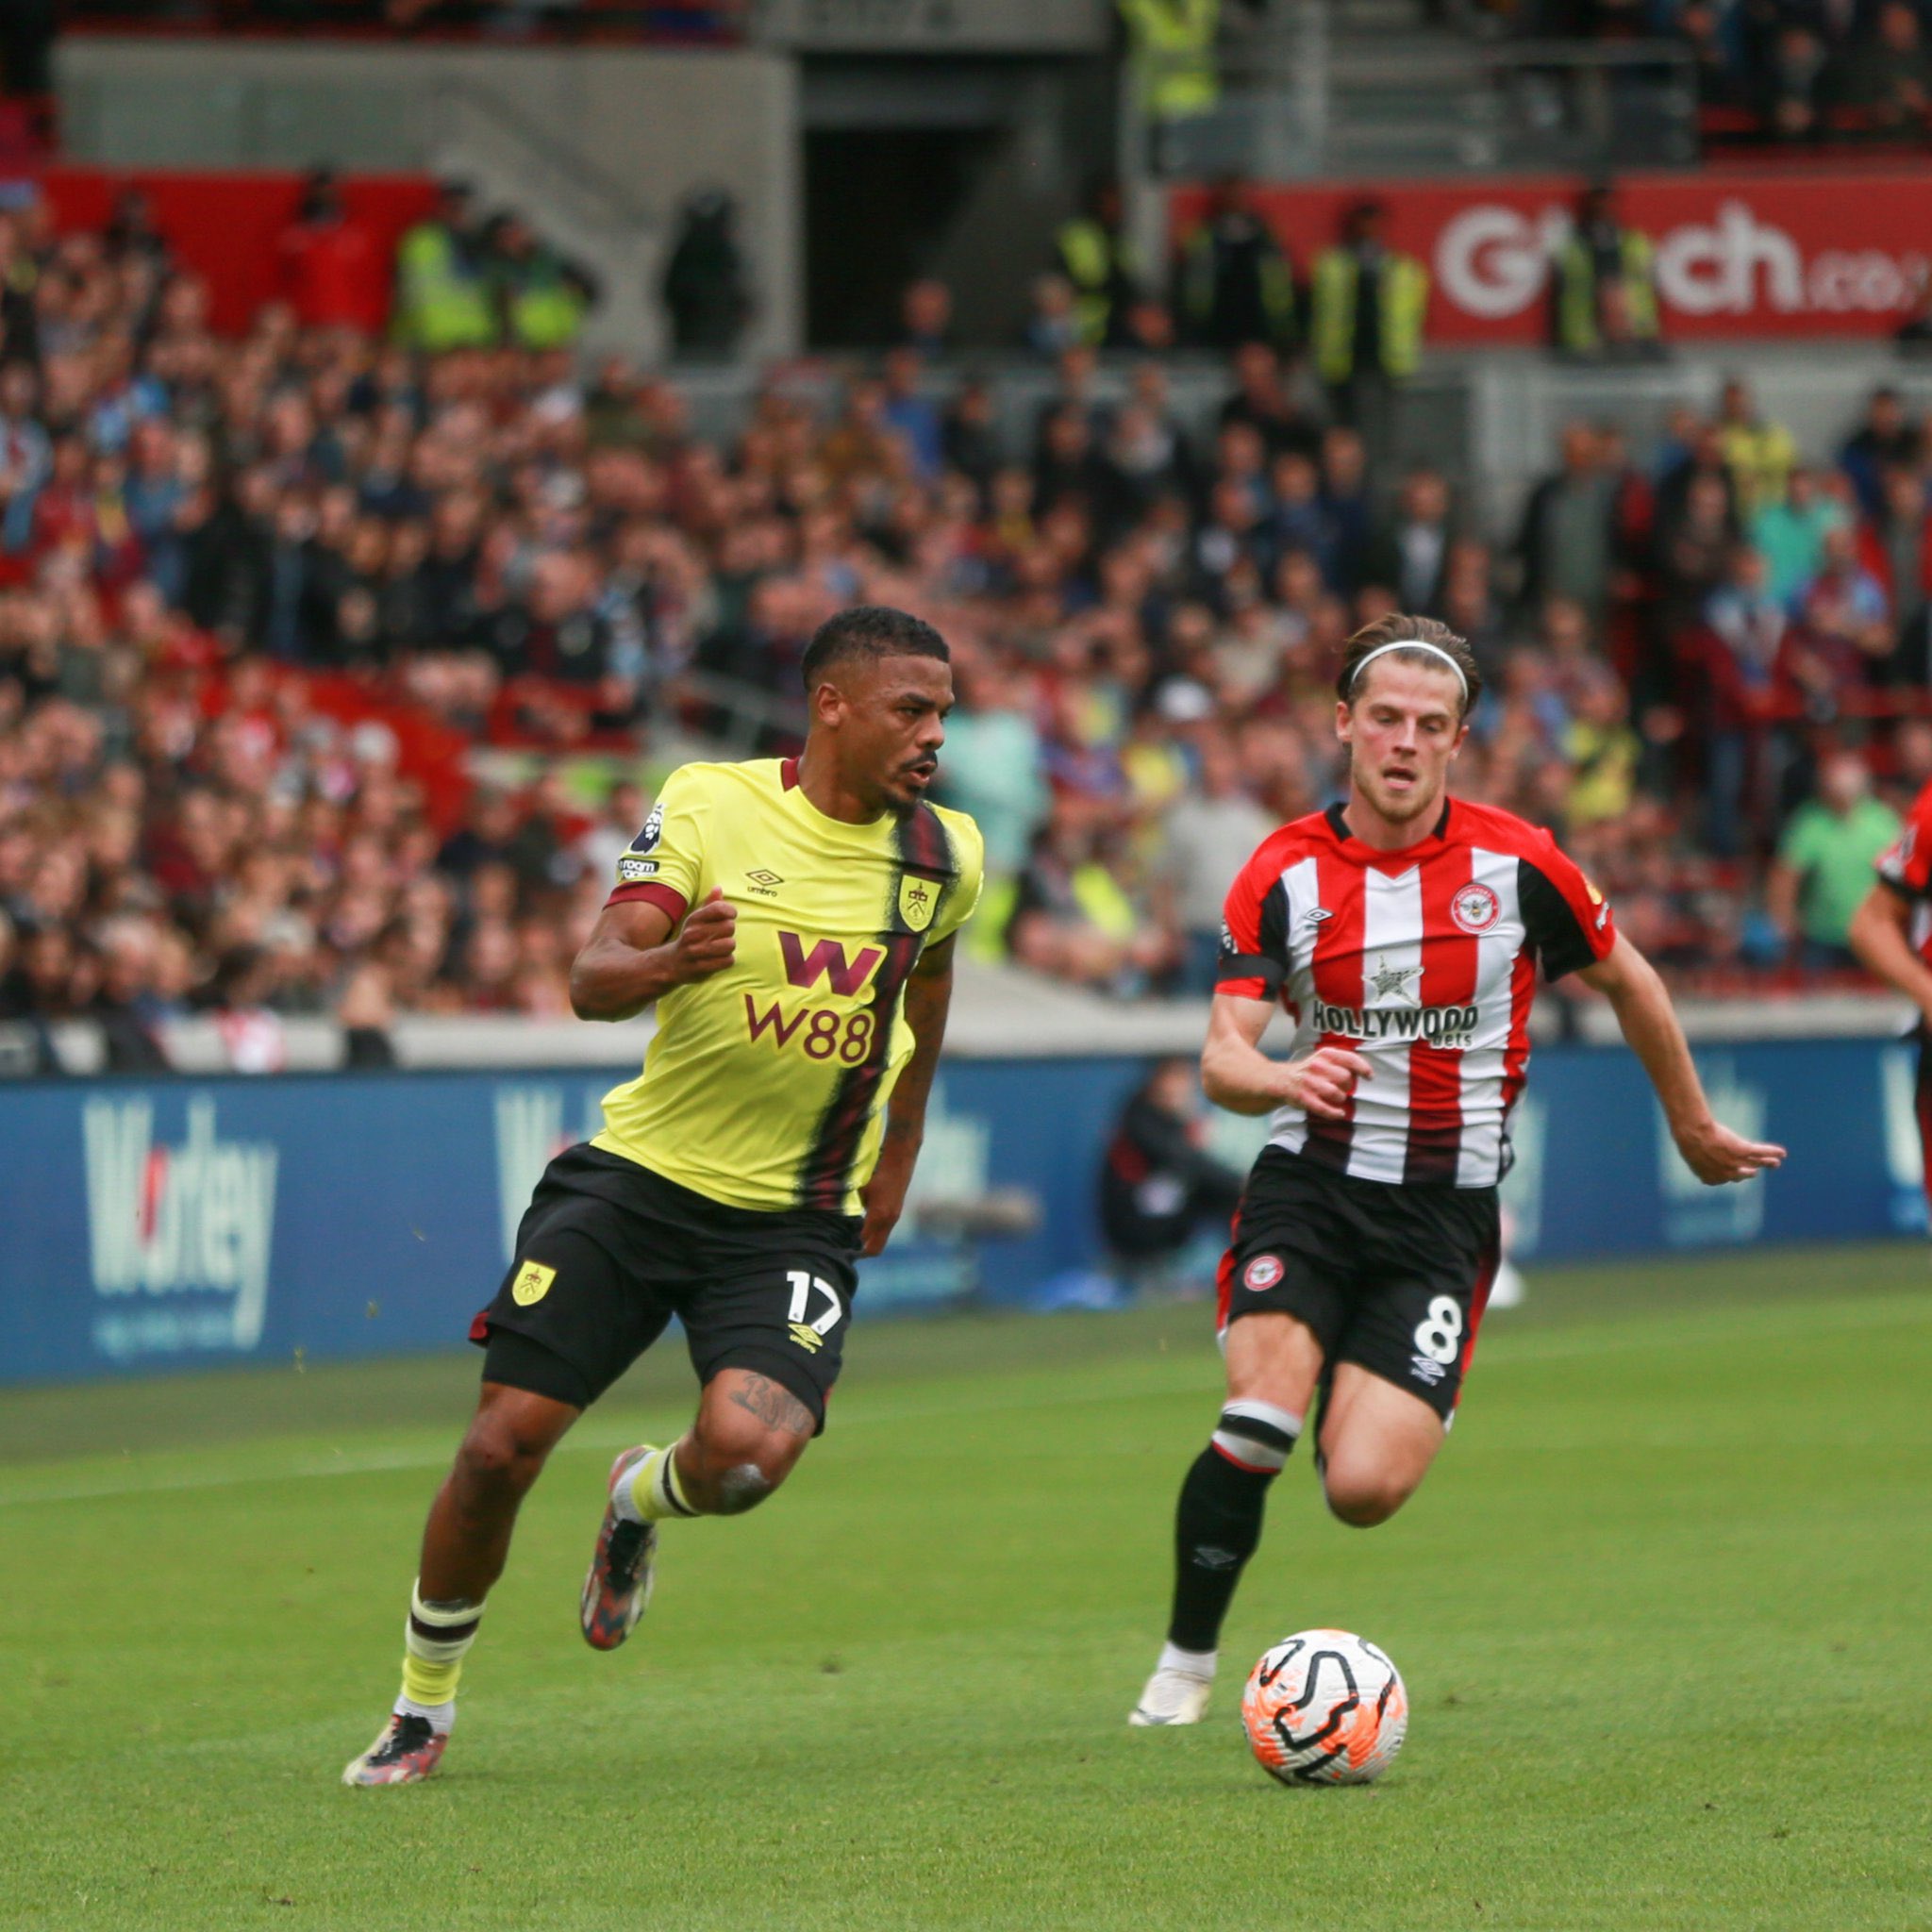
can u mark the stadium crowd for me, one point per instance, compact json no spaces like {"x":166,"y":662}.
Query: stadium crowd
{"x":262,"y":599}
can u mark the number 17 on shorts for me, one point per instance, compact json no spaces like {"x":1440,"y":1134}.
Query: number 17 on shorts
{"x":809,"y":1290}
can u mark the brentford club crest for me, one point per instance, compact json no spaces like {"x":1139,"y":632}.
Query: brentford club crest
{"x":1262,"y":1272}
{"x":1476,"y":908}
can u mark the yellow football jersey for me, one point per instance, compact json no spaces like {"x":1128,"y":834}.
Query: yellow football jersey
{"x":766,"y":1084}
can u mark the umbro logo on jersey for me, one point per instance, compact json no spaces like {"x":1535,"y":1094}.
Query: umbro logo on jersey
{"x":762,"y":877}
{"x":1316,"y":914}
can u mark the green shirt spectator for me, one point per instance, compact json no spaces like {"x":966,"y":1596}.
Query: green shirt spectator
{"x":1825,"y":860}
{"x":1792,"y":535}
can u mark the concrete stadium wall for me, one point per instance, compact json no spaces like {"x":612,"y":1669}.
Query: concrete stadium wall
{"x":597,"y":146}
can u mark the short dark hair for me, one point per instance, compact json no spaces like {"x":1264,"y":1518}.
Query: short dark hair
{"x":870,"y":630}
{"x":1397,"y":628}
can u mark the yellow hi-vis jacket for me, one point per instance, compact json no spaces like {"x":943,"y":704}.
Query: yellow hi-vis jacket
{"x":1174,"y":54}
{"x":439,"y":304}
{"x":1404,"y":297}
{"x":1097,"y":263}
{"x":1577,"y":292}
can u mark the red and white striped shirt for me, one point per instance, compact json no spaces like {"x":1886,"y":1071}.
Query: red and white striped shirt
{"x":1424,"y":961}
{"x":1907,"y":867}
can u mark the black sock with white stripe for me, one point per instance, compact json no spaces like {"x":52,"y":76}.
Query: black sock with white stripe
{"x":1218,"y":1526}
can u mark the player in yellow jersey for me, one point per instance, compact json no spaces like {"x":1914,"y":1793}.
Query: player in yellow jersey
{"x":793,"y":921}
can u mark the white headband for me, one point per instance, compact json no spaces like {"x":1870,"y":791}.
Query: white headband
{"x":1409,"y":644}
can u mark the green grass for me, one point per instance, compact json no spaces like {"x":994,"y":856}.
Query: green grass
{"x":1658,"y":1605}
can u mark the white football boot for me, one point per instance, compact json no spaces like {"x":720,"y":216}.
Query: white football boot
{"x":1173,"y":1697}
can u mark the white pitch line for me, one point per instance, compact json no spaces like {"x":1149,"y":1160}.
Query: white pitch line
{"x":600,"y":1437}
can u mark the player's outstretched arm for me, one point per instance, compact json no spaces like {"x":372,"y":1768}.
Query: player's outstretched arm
{"x":1881,"y":936}
{"x":1237,"y":1075}
{"x":1644,"y":1011}
{"x":928,"y":996}
{"x":629,"y":959}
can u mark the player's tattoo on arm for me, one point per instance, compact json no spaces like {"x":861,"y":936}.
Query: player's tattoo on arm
{"x":776,"y":1407}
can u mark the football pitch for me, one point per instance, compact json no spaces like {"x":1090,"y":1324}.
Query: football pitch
{"x":1660,"y":1608}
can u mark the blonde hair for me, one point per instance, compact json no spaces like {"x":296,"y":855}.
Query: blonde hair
{"x":1396,"y":629}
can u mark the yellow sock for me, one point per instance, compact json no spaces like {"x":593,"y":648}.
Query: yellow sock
{"x":655,"y":1490}
{"x":436,"y":1639}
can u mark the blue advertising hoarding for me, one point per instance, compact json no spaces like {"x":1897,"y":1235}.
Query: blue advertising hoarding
{"x":149,"y":1224}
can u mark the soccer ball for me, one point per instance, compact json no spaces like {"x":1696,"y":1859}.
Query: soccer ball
{"x":1325,"y":1707}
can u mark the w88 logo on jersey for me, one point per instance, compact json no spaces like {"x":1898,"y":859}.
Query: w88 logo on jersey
{"x":821,"y":1033}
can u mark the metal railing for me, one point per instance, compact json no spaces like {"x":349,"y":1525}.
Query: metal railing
{"x":1296,"y":104}
{"x":1587,"y":104}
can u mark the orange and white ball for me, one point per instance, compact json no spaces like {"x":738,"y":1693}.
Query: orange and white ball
{"x":1325,"y":1707}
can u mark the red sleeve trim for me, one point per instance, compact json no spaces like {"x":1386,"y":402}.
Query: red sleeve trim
{"x":666,"y":898}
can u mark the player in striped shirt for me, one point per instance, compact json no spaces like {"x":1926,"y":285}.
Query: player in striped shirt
{"x":1892,"y":933}
{"x":1401,"y":932}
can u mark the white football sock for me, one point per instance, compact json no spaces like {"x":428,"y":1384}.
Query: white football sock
{"x":1190,"y":1663}
{"x":443,"y":1717}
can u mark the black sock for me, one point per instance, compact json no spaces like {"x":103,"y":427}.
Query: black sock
{"x":1218,"y":1526}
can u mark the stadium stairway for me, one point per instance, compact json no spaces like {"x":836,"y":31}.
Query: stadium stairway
{"x":1407,"y":96}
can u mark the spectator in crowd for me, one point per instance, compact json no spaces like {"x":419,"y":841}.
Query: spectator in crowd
{"x":1264,"y":401}
{"x":1171,"y":54}
{"x":1885,"y":79}
{"x":260,"y":597}
{"x":1744,"y":647}
{"x":1791,"y":85}
{"x":1603,"y":284}
{"x":1845,"y":613}
{"x":1885,"y":439}
{"x":1760,"y":454}
{"x":1895,"y":549}
{"x":542,"y":296}
{"x":1235,"y":282}
{"x":1211,"y":832}
{"x":1078,"y":913}
{"x":333,"y":276}
{"x":1053,"y":324}
{"x":925,"y":317}
{"x":1410,"y":556}
{"x":1568,"y":544}
{"x":1366,"y":307}
{"x":442,"y":297}
{"x":1601,"y":752}
{"x":1098,"y":260}
{"x":1704,"y":27}
{"x":994,"y":769}
{"x":1161,"y":1187}
{"x":705,"y":285}
{"x":1790,"y":533}
{"x":1825,"y":860}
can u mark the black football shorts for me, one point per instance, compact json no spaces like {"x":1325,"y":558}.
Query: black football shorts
{"x":1392,"y":1278}
{"x":608,"y":1251}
